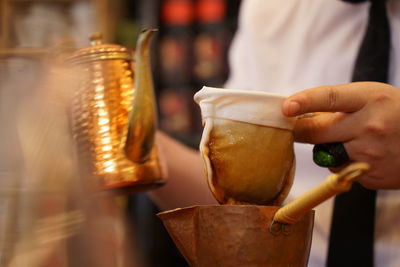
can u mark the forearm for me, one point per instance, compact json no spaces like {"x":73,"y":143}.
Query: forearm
{"x":186,"y":183}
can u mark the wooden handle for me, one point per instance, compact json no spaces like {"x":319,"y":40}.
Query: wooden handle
{"x":333,"y":185}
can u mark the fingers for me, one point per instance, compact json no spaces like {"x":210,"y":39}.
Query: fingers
{"x":324,"y":127}
{"x":363,"y":116}
{"x":335,"y":98}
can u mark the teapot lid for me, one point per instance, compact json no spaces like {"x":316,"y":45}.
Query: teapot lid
{"x":99,"y":51}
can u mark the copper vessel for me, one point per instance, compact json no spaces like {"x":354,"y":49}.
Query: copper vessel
{"x":238,"y":235}
{"x":254,"y":235}
{"x":114,"y":116}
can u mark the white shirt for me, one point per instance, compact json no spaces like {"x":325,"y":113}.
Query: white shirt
{"x":287,"y":46}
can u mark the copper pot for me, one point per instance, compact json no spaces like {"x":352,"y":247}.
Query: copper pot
{"x":251,"y":235}
{"x":114,"y":116}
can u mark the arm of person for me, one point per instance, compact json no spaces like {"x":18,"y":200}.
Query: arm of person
{"x":365,"y":116}
{"x":186,"y":183}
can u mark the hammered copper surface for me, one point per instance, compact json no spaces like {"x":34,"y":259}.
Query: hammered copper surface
{"x":100,"y":114}
{"x":238,"y":235}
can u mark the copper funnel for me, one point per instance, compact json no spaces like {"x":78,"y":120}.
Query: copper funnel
{"x":250,"y":235}
{"x":238,"y":235}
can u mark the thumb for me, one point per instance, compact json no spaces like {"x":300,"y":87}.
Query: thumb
{"x":334,"y":98}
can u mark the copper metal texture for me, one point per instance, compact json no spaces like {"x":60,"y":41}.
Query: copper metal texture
{"x":101,"y":116}
{"x":248,"y":235}
{"x":238,"y":235}
{"x":99,"y":51}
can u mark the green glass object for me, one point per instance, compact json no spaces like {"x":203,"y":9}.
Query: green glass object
{"x":323,"y":159}
{"x":330,"y":155}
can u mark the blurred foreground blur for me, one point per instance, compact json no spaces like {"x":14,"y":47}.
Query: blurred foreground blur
{"x":47,"y":217}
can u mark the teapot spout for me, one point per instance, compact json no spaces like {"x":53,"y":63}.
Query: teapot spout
{"x":142,"y":122}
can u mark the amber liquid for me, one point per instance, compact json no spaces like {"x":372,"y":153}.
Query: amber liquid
{"x":251,"y":164}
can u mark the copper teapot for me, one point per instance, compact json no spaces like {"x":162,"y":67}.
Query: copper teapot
{"x":114,"y":116}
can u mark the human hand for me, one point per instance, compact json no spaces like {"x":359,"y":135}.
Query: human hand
{"x":365,"y":116}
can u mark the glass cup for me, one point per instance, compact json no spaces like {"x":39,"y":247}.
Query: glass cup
{"x":247,"y":146}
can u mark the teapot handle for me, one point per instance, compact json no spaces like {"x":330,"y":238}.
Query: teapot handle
{"x":333,"y":185}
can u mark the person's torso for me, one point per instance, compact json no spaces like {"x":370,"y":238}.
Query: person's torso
{"x":286,"y":46}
